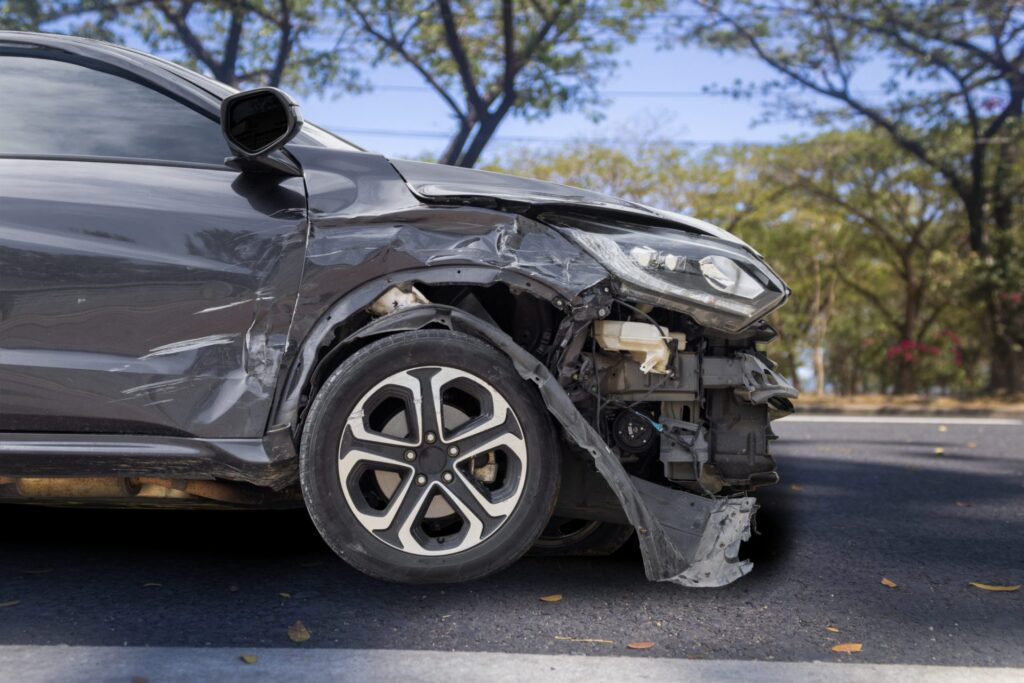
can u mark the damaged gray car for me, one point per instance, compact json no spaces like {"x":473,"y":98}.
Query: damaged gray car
{"x":205,"y":301}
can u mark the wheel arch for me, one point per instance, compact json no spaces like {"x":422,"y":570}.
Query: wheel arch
{"x":346,"y":326}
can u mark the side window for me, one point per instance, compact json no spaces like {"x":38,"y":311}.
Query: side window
{"x":50,"y":107}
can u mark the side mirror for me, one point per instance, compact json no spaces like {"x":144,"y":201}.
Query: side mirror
{"x":258,"y":122}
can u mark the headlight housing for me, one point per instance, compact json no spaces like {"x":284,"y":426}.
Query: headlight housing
{"x":719,"y":285}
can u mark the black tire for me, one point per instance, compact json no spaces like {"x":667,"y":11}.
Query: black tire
{"x":564,"y":537}
{"x":337,"y":514}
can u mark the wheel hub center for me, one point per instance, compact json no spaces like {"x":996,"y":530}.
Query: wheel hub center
{"x":431,"y":460}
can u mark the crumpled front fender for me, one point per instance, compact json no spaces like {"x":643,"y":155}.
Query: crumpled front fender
{"x":685,"y":538}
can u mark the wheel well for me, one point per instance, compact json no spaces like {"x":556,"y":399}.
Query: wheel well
{"x":529,"y":319}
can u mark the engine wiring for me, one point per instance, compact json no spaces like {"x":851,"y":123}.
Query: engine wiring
{"x":603,"y":403}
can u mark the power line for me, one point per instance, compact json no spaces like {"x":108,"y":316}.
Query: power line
{"x":394,"y":87}
{"x":441,"y":135}
{"x":609,"y":93}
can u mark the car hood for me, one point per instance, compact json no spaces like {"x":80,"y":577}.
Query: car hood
{"x":437,"y":183}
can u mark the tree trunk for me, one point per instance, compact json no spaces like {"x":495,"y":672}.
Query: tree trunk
{"x":1007,"y":365}
{"x":819,"y":370}
{"x":791,"y":369}
{"x":906,"y":371}
{"x":905,"y":383}
{"x":452,"y":152}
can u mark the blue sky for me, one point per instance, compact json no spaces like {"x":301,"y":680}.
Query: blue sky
{"x":644,"y":68}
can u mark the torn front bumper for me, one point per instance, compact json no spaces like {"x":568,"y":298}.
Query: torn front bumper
{"x":703,"y":534}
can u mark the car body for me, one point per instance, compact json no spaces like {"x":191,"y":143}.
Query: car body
{"x":174,"y":308}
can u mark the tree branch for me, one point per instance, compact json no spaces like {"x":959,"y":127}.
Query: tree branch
{"x":458,"y":53}
{"x":868,"y":295}
{"x":914,"y":147}
{"x":284,"y":44}
{"x":187,"y":37}
{"x":391,"y":42}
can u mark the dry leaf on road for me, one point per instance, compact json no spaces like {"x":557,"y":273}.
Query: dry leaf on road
{"x":796,"y":487}
{"x":997,"y":589}
{"x":285,"y":595}
{"x":832,"y":629}
{"x":939,"y":450}
{"x":9,"y":603}
{"x":964,"y":504}
{"x":250,"y":659}
{"x":943,"y":428}
{"x":847,"y":647}
{"x":971,"y":444}
{"x":557,"y":597}
{"x":298,"y":632}
{"x":640,"y":645}
{"x":888,"y":583}
{"x":571,"y":639}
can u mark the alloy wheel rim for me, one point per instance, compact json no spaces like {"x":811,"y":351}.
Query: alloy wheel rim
{"x":432,"y":461}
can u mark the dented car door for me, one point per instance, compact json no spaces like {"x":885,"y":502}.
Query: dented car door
{"x":137,"y":295}
{"x":143,"y":299}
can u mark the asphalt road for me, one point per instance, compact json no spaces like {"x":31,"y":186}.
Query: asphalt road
{"x":858,"y":502}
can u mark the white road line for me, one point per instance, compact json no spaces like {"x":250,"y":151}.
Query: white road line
{"x":31,"y":664}
{"x":905,"y":419}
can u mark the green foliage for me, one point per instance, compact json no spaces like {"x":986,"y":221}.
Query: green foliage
{"x":20,"y":15}
{"x":238,"y":42}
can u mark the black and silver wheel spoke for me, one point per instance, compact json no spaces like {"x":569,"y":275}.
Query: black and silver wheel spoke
{"x":429,"y":402}
{"x":407,"y":511}
{"x":432,"y":460}
{"x":473,"y":502}
{"x":373,"y":448}
{"x":486,"y":439}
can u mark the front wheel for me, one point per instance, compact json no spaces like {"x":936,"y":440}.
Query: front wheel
{"x":426,"y":458}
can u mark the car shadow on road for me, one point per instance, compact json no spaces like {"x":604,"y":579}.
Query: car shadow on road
{"x":144,"y":577}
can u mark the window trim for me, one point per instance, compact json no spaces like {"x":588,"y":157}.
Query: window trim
{"x":131,"y":161}
{"x":47,"y":53}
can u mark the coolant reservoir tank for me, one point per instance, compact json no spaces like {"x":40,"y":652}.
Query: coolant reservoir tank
{"x":647,"y":343}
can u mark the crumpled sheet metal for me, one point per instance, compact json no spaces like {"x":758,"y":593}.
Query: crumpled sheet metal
{"x":685,"y":538}
{"x":366,"y":224}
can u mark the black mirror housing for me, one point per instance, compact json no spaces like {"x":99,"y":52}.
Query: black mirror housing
{"x":258,"y":122}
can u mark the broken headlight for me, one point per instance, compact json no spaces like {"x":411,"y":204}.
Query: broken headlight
{"x":720,"y":285}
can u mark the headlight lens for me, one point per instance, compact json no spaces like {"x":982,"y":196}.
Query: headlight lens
{"x":718,"y":284}
{"x":726,"y":275}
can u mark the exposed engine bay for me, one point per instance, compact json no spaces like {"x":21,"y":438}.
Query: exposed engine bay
{"x":698,"y":407}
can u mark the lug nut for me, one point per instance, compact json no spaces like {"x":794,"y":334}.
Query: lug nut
{"x":453,"y":451}
{"x":421,"y":479}
{"x":447,"y":477}
{"x":410,"y":455}
{"x":431,"y":438}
